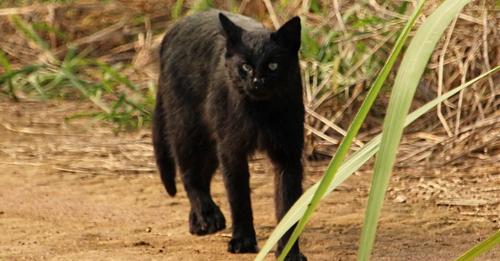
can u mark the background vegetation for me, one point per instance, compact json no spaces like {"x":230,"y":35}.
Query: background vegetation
{"x":106,"y":52}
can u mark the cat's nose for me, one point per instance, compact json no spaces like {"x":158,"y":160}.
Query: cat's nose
{"x":258,"y":82}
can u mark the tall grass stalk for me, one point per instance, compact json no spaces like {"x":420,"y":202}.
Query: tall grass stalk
{"x":411,"y":69}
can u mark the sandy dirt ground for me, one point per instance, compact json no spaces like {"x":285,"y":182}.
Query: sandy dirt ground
{"x":76,"y":191}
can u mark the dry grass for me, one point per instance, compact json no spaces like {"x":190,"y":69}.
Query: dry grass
{"x":347,"y":43}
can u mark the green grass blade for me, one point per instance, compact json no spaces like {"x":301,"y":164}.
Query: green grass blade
{"x":411,"y":70}
{"x":482,"y":247}
{"x":25,"y":70}
{"x":117,"y":76}
{"x":352,"y":164}
{"x":29,"y":32}
{"x":201,"y":5}
{"x":4,"y":61}
{"x":35,"y":82}
{"x":177,"y":9}
{"x":352,"y":132}
{"x":83,"y":89}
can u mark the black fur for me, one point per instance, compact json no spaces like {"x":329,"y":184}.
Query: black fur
{"x":227,"y":88}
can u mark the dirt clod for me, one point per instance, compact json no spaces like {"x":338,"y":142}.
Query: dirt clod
{"x":141,"y":243}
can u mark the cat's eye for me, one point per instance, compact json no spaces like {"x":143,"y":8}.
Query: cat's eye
{"x":272,"y":66}
{"x":246,"y":67}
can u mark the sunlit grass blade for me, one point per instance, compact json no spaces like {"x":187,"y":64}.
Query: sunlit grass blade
{"x":482,"y":247}
{"x":353,"y":131}
{"x":411,"y":69}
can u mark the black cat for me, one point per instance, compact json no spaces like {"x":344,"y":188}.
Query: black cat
{"x":227,"y":88}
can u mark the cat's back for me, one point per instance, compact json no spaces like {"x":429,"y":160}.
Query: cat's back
{"x":199,"y":37}
{"x":190,"y":33}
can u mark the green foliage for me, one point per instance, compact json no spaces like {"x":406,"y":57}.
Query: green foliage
{"x":177,"y":9}
{"x":361,"y":23}
{"x":314,"y":6}
{"x":4,"y":62}
{"x":310,"y":48}
{"x":29,"y":32}
{"x":118,"y":99}
{"x":202,"y":5}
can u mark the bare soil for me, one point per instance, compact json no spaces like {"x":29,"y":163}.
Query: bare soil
{"x":76,"y":191}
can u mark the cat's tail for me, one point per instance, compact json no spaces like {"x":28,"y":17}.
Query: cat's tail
{"x":164,"y":159}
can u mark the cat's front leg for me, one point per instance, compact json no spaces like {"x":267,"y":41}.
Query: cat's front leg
{"x":234,"y":167}
{"x":288,"y":188}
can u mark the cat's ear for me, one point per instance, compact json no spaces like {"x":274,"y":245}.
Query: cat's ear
{"x":288,"y":35}
{"x":231,"y":30}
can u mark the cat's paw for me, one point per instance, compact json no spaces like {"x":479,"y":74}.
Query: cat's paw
{"x":242,"y":245}
{"x":295,"y":257}
{"x":205,"y":222}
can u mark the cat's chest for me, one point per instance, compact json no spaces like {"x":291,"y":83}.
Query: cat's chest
{"x":242,"y":121}
{"x":256,"y":125}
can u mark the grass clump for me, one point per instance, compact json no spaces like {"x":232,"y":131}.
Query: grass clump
{"x":76,"y":77}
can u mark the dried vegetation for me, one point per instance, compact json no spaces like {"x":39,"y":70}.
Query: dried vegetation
{"x":105,"y":52}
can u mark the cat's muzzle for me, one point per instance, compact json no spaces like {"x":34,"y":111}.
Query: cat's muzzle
{"x":257,"y":90}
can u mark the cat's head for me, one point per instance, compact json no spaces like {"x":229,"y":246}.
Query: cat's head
{"x":260,"y":62}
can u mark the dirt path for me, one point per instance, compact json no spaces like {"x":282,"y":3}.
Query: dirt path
{"x":75,"y":191}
